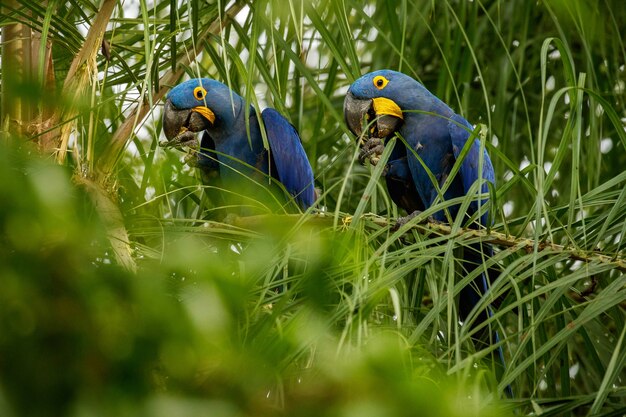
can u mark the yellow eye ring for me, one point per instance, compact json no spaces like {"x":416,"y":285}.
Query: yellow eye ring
{"x":380,"y":82}
{"x":199,"y":93}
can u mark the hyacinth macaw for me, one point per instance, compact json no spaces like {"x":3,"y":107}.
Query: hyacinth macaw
{"x":389,"y":102}
{"x":231,"y":153}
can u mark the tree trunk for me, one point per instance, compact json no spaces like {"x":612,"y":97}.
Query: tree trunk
{"x":14,"y":38}
{"x":22,"y":112}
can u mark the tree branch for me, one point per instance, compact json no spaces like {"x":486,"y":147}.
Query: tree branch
{"x":430,"y":227}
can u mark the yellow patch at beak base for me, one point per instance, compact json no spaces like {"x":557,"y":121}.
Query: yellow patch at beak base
{"x":206,"y":112}
{"x":386,"y":106}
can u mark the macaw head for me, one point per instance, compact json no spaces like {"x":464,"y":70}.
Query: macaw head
{"x":198,"y":104}
{"x":379,"y":98}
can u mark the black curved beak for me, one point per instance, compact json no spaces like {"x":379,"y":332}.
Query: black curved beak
{"x":380,"y":115}
{"x":180,"y":125}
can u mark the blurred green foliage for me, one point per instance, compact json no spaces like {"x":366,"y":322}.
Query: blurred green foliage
{"x":343,"y":317}
{"x":185,"y":335}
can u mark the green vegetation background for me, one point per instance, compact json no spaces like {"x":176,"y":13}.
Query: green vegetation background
{"x":121,"y":295}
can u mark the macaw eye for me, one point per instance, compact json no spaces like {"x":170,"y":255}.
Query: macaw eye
{"x":199,"y":93}
{"x":380,"y":82}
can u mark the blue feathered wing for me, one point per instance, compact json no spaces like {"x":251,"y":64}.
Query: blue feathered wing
{"x":287,"y":153}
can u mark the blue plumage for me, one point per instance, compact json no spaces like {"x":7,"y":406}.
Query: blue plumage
{"x":433,"y":131}
{"x":236,"y":144}
{"x":394,"y":102}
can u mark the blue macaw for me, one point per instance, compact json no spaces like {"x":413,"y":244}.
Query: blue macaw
{"x":391,"y":102}
{"x":231,"y":153}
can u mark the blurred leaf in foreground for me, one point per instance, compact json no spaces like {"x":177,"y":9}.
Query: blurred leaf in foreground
{"x":188,"y":334}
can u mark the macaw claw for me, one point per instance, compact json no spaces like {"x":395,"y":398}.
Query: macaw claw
{"x":372,"y":149}
{"x":184,"y":138}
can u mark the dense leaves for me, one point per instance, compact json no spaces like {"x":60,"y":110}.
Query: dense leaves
{"x":339,"y":315}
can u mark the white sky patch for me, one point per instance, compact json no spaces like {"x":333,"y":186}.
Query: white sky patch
{"x":185,"y":167}
{"x":131,"y":9}
{"x":554,"y":55}
{"x":132,"y":148}
{"x":533,"y":224}
{"x":71,"y":141}
{"x":260,"y":90}
{"x":235,"y":249}
{"x":576,"y":265}
{"x":606,"y":145}
{"x":525,"y":162}
{"x":244,"y":55}
{"x":507,"y":208}
{"x":242,"y":15}
{"x":313,"y":57}
{"x":599,"y":110}
{"x":372,"y":34}
{"x":150,"y":193}
{"x":547,"y":166}
{"x":138,"y":171}
{"x":83,"y":29}
{"x":369,"y":10}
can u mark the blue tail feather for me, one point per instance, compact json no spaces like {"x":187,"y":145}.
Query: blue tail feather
{"x":470,"y":296}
